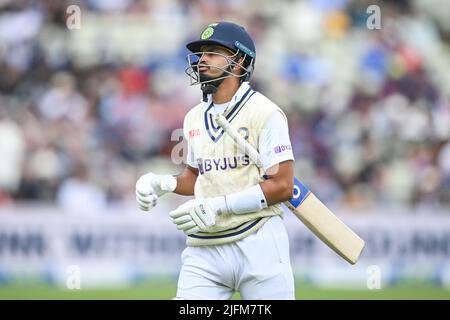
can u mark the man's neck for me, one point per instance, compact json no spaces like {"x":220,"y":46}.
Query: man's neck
{"x":226,"y":91}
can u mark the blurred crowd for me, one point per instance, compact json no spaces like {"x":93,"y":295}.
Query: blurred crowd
{"x":85,"y":111}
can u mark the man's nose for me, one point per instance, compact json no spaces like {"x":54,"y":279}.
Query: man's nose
{"x":203,"y":59}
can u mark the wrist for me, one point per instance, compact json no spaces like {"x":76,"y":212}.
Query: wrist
{"x":247,"y":201}
{"x":219,"y":205}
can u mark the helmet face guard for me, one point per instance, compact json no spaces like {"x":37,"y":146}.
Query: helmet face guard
{"x":194,"y":64}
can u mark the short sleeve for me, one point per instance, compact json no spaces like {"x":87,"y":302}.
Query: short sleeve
{"x":274,"y":143}
{"x":190,"y":157}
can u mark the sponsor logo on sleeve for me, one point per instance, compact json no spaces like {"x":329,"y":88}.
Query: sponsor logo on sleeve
{"x":279,"y":149}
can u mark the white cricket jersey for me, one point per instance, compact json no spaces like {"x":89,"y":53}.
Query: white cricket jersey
{"x":274,"y":143}
{"x":224,"y":169}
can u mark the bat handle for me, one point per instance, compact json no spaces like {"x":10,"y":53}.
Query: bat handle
{"x":242,"y":144}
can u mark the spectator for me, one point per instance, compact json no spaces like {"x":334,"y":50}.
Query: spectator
{"x":368,"y":110}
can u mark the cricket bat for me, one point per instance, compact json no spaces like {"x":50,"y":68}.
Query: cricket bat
{"x":308,"y":208}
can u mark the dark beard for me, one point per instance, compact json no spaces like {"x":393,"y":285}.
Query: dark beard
{"x":210,"y":87}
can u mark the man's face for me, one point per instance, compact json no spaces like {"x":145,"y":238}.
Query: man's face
{"x":210,"y":58}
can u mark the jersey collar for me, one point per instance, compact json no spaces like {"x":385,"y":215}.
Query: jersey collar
{"x":235,"y":99}
{"x":214,"y":131}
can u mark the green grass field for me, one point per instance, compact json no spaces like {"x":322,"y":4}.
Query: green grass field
{"x":163,"y":290}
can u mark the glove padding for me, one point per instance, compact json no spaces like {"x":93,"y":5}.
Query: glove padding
{"x":197,"y":214}
{"x":150,"y":187}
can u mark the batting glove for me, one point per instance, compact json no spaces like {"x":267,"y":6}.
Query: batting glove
{"x":150,"y":187}
{"x":198,"y":214}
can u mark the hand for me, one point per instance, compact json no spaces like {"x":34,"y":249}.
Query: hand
{"x":150,"y":187}
{"x":198,"y":214}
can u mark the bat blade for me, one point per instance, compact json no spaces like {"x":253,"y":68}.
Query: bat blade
{"x":324,"y":224}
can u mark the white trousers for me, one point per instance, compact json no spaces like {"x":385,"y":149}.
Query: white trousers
{"x":257,"y":266}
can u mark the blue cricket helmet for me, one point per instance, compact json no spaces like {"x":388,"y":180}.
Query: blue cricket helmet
{"x":227,"y":34}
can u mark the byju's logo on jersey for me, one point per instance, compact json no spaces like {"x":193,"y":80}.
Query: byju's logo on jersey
{"x":220,"y":164}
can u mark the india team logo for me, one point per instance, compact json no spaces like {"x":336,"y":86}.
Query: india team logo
{"x":243,"y":131}
{"x":207,"y":33}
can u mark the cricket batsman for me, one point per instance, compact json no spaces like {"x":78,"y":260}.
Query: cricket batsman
{"x":236,"y":239}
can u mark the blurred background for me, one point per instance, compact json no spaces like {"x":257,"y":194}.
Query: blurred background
{"x":88,"y":107}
